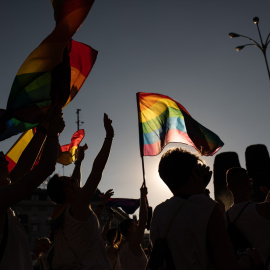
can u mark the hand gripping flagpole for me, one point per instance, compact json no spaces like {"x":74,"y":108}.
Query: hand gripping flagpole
{"x":140,"y":138}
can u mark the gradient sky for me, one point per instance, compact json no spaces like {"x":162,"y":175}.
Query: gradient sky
{"x":172,"y":47}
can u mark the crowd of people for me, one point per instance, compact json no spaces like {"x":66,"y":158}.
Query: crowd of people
{"x":189,"y":231}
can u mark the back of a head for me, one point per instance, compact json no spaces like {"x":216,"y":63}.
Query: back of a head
{"x":55,"y":189}
{"x":236,"y":178}
{"x":258,"y":164}
{"x":175,"y":167}
{"x":42,"y":245}
{"x":124,"y":226}
{"x":112,"y":235}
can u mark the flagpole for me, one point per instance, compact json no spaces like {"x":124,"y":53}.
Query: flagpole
{"x":144,"y":183}
{"x":140,"y":138}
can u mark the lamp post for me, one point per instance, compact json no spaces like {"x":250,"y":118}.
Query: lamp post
{"x":262,"y":46}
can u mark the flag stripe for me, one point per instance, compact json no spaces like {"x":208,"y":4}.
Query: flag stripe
{"x":172,"y":136}
{"x":173,"y":123}
{"x":14,"y":153}
{"x":152,"y":98}
{"x":161,"y":120}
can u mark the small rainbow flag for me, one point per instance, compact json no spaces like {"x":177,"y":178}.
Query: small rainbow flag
{"x":163,"y":120}
{"x":68,"y":151}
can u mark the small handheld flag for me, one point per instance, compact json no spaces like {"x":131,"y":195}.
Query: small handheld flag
{"x":68,"y":151}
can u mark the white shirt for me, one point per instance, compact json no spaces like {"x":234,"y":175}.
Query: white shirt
{"x":79,"y":245}
{"x":187,"y":235}
{"x":130,"y":261}
{"x":17,"y":251}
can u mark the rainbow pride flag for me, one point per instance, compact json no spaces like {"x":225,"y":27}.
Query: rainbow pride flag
{"x":14,"y":153}
{"x":163,"y":120}
{"x":57,"y":68}
{"x":68,"y":151}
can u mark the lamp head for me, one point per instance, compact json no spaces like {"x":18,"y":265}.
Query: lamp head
{"x":233,"y":35}
{"x":239,"y":48}
{"x":256,"y":20}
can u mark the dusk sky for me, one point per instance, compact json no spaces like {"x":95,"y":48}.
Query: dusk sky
{"x":172,"y":47}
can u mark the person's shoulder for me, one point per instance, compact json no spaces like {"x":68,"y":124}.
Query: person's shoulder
{"x":263,"y":209}
{"x":168,"y":203}
{"x":201,"y":198}
{"x":237,"y":206}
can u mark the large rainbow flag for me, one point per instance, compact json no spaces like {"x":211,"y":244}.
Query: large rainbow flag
{"x":163,"y":120}
{"x":57,"y":68}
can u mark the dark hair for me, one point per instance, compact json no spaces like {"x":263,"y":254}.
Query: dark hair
{"x":55,"y":189}
{"x":175,"y":167}
{"x":124,"y":226}
{"x":112,"y":235}
{"x":234,"y":177}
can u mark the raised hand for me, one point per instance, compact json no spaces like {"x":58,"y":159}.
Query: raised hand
{"x":108,"y":126}
{"x":108,"y":194}
{"x":57,"y":123}
{"x":143,"y":190}
{"x":80,"y":153}
{"x":206,"y":173}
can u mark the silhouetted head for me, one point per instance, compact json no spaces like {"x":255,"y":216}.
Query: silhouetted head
{"x":127,"y":227}
{"x":112,"y":235}
{"x":238,"y":182}
{"x":42,"y":245}
{"x":61,"y":188}
{"x":176,"y":166}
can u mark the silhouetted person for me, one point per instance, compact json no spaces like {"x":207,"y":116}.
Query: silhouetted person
{"x":251,"y":218}
{"x":19,"y":184}
{"x":197,"y":238}
{"x":112,"y":248}
{"x":78,"y":241}
{"x":132,"y":256}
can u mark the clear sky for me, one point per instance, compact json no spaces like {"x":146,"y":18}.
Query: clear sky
{"x":172,"y":47}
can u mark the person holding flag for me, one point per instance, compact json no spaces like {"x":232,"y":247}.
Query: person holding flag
{"x":132,"y":256}
{"x":78,"y":242}
{"x":190,"y":221}
{"x":14,"y":186}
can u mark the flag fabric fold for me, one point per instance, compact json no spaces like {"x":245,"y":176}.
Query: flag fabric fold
{"x":68,"y":151}
{"x":14,"y":153}
{"x":56,"y":68}
{"x":128,"y":205}
{"x":163,"y":120}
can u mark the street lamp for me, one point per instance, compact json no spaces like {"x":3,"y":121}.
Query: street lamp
{"x":262,"y":46}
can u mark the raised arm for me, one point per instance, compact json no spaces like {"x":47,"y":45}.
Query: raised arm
{"x":142,"y":216}
{"x":34,"y":148}
{"x":80,"y":157}
{"x":109,"y":193}
{"x":80,"y":206}
{"x":13,"y":193}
